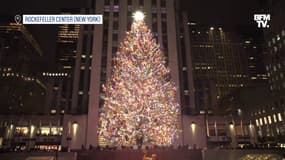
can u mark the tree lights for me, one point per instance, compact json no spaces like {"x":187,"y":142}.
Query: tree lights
{"x":140,"y":104}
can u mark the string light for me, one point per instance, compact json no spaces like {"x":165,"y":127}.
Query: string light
{"x":140,"y":105}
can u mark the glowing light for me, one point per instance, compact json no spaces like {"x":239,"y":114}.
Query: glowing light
{"x":32,"y":130}
{"x":232,"y":126}
{"x":138,"y":16}
{"x":74,"y":128}
{"x":193,"y":127}
{"x":140,"y":105}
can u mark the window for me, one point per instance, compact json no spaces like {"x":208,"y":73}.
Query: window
{"x":45,"y":130}
{"x":260,"y":121}
{"x":279,"y":117}
{"x":154,"y":27}
{"x":114,"y":50}
{"x":153,"y":2}
{"x":163,"y":3}
{"x":257,"y":123}
{"x":115,"y":25}
{"x":116,"y":2}
{"x":115,"y":37}
{"x":53,"y":111}
{"x":141,"y":2}
{"x":107,"y":2}
{"x":265,"y":120}
{"x":274,"y":118}
{"x":269,"y":119}
{"x":116,"y":14}
{"x":21,"y":131}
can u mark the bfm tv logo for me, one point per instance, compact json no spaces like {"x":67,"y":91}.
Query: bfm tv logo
{"x":262,"y":20}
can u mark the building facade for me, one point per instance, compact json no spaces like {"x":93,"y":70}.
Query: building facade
{"x":220,"y":61}
{"x":268,"y":116}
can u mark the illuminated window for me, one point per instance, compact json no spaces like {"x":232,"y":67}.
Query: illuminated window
{"x":269,"y":119}
{"x":274,"y":118}
{"x":265,"y":120}
{"x":257,"y":123}
{"x":66,"y":67}
{"x":53,"y":111}
{"x":260,"y":121}
{"x":56,"y":130}
{"x":279,"y":117}
{"x":60,"y":130}
{"x":21,"y":131}
{"x":45,"y":130}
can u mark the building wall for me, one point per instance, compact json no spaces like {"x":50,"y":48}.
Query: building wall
{"x":241,"y":154}
{"x":268,"y":119}
{"x":194,"y":131}
{"x":31,"y":132}
{"x":187,"y":90}
{"x":219,"y":60}
{"x":275,"y":45}
{"x":74,"y":131}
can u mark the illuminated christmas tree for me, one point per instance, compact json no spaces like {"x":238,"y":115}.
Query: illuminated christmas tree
{"x":140,"y":106}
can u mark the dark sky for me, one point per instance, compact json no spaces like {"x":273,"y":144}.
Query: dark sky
{"x":205,"y":11}
{"x":217,"y":12}
{"x":224,"y":12}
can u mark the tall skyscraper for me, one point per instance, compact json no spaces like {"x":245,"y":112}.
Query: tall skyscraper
{"x":19,"y":52}
{"x":275,"y":42}
{"x":268,"y":115}
{"x":67,"y":41}
{"x":24,"y":121}
{"x":220,"y":61}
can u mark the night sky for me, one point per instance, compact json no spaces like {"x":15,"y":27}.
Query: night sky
{"x":216,"y":12}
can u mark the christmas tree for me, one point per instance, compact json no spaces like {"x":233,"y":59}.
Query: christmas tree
{"x":140,"y":106}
